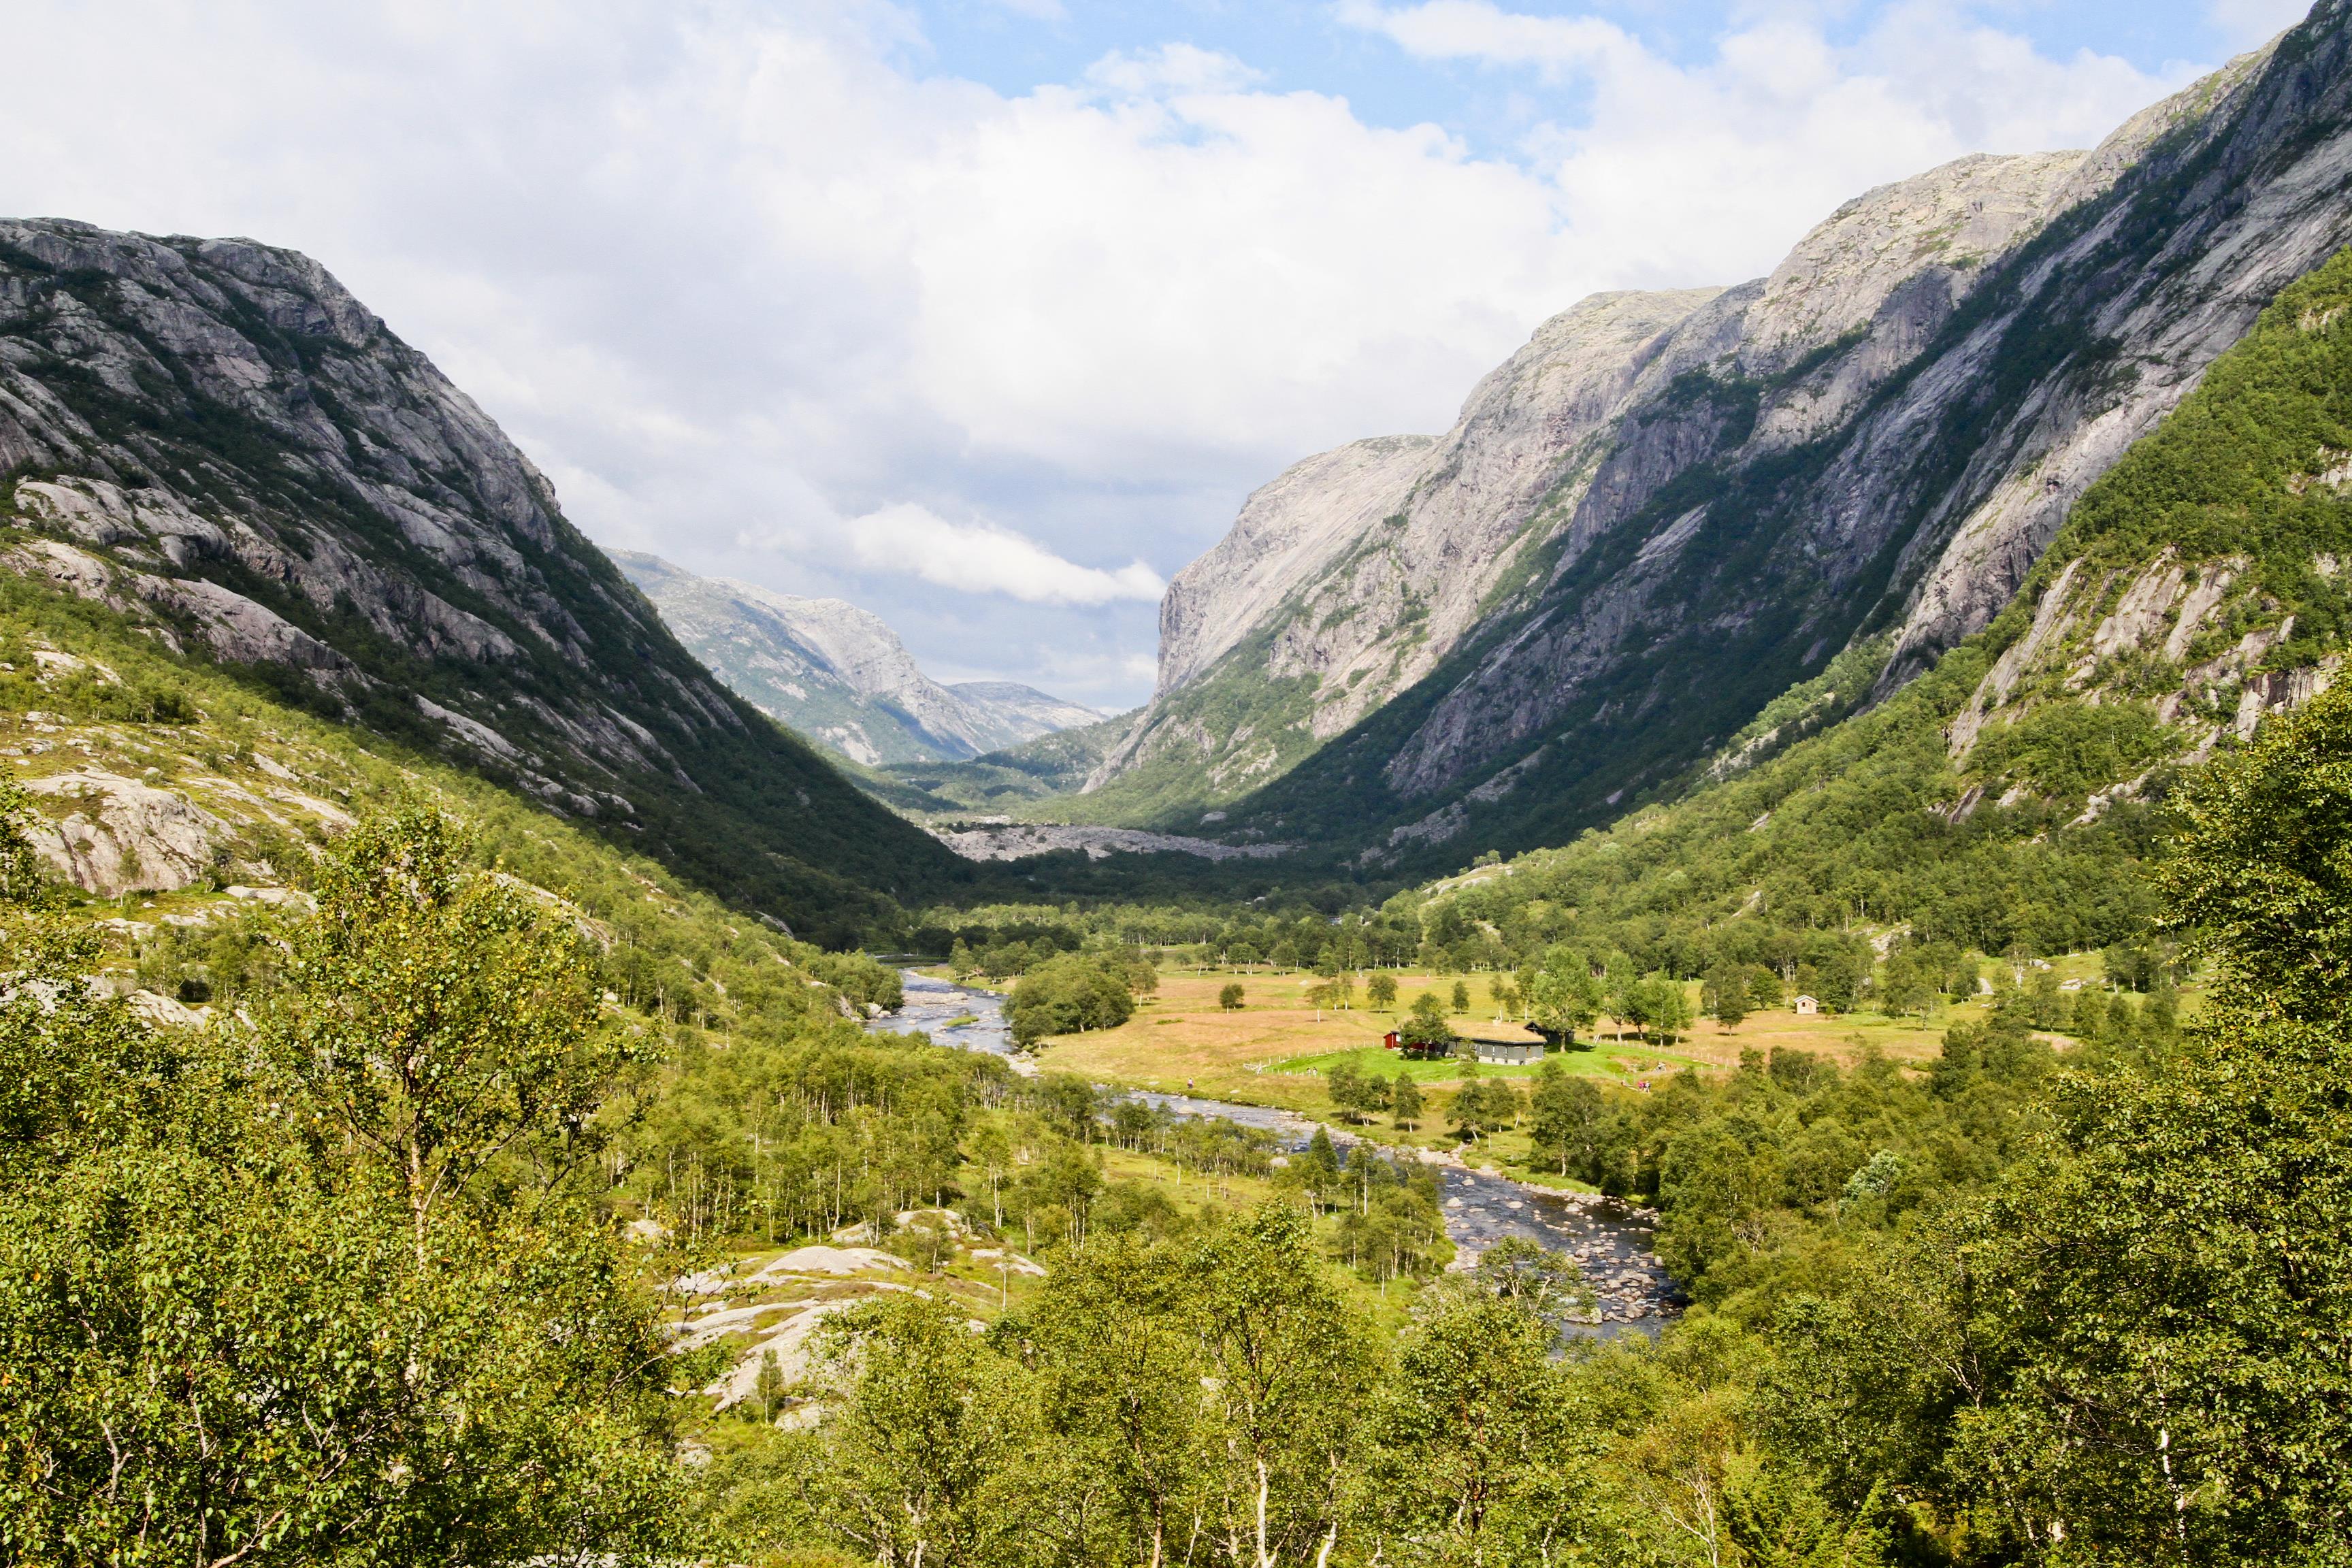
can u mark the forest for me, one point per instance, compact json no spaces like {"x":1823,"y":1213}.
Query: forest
{"x":343,"y":1281}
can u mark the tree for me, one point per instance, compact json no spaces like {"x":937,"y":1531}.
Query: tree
{"x":1480,"y":1453}
{"x":437,"y":1016}
{"x":1567,"y":1114}
{"x":1380,"y":991}
{"x":1548,"y":1282}
{"x":1662,"y":1007}
{"x":1561,"y":997}
{"x":1119,"y":1368}
{"x":1482,"y":1106}
{"x":1725,"y":996}
{"x":1462,"y":997}
{"x":768,"y":1388}
{"x":1404,"y":1100}
{"x":331,"y":1286}
{"x":1230,"y":996}
{"x":1069,"y":994}
{"x":1904,"y":987}
{"x":1357,"y":1094}
{"x":1423,"y":1030}
{"x":1340,"y":1083}
{"x":922,"y":1462}
{"x":1289,"y":1376}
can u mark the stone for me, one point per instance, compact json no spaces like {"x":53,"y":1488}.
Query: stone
{"x":119,"y":835}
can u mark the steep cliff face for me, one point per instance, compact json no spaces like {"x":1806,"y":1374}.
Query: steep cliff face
{"x":214,"y":437}
{"x":839,"y":675}
{"x":1349,"y":576}
{"x":1356,"y":574}
{"x":1869,"y":448}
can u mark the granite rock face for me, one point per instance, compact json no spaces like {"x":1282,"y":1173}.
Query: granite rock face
{"x":839,"y":675}
{"x":1361,"y":570}
{"x":1667,"y":510}
{"x":214,"y":438}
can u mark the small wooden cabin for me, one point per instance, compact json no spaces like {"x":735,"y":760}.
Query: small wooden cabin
{"x":1503,"y":1045}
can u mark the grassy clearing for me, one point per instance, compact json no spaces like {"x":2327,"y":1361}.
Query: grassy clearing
{"x":1277,"y":1049}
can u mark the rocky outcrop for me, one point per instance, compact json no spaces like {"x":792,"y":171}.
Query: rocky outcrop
{"x":114,"y":835}
{"x":1875,"y":442}
{"x":838,"y":674}
{"x":214,"y":438}
{"x":2195,"y":642}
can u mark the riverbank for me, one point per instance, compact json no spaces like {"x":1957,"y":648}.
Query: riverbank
{"x":1481,"y":1205}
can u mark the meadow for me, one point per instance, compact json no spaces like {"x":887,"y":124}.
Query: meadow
{"x":1278,"y":1048}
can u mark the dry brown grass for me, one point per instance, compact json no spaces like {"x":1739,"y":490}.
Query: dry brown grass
{"x":1181,"y":1037}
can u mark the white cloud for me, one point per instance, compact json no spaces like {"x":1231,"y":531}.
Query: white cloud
{"x":764,"y":298}
{"x":2246,"y":23}
{"x":1475,"y":29}
{"x":1709,"y":172}
{"x":978,"y":558}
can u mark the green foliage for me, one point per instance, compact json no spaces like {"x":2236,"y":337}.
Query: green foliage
{"x":437,"y":1017}
{"x":2241,"y":471}
{"x":1404,"y":1100}
{"x":1355,"y":1094}
{"x":2153,"y":1307}
{"x":1423,"y":1029}
{"x":2063,"y":751}
{"x":317,"y":1302}
{"x":1481,"y":1449}
{"x":1068,"y":995}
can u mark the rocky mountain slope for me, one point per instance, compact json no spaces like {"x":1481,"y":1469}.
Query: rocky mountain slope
{"x":2001,"y":803}
{"x":1669,"y":509}
{"x":839,"y":675}
{"x":1036,"y":778}
{"x":1006,"y":713}
{"x":214,"y":438}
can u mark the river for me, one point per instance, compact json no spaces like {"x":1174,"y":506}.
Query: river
{"x":1609,"y":1240}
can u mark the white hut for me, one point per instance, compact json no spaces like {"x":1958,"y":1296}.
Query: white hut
{"x":1807,"y":1007}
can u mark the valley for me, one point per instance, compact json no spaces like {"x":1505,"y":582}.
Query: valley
{"x":1839,"y":787}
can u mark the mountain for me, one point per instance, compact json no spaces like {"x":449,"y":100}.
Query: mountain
{"x":838,"y":674}
{"x":1036,"y":778}
{"x":2006,"y":800}
{"x":1669,"y":509}
{"x":1006,"y":713}
{"x":214,"y":437}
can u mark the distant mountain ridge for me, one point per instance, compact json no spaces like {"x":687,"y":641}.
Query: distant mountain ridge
{"x":839,"y":675}
{"x":1669,"y":509}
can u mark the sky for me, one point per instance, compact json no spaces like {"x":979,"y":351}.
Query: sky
{"x":986,"y":314}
